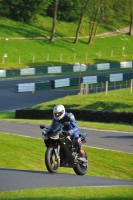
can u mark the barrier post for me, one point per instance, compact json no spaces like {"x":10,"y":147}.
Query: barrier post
{"x":81,"y":88}
{"x":74,"y":56}
{"x":19,"y":59}
{"x":87,"y":88}
{"x":106,"y":87}
{"x":61,"y":56}
{"x":84,"y":90}
{"x":33,"y":59}
{"x":86,"y":55}
{"x":131,"y":89}
{"x":3,"y":59}
{"x":47,"y":57}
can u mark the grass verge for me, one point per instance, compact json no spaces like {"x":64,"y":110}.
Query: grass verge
{"x":28,"y":153}
{"x":118,"y":193}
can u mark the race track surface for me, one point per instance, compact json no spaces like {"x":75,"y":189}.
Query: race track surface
{"x":119,"y":141}
{"x":22,"y":179}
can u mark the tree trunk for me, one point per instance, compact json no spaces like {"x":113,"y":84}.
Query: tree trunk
{"x":94,"y":24}
{"x":131,"y":25}
{"x":54,"y":21}
{"x":131,"y":20}
{"x":93,"y":34}
{"x":83,"y":10}
{"x":78,"y":29}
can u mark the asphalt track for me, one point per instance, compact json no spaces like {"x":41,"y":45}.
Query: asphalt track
{"x":10,"y":100}
{"x":13,"y":179}
{"x":22,"y":179}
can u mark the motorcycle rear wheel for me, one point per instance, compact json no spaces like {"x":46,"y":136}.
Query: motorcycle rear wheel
{"x":51,"y":161}
{"x":79,"y":169}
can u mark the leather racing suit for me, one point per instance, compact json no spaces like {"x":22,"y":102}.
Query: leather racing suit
{"x":70,"y":124}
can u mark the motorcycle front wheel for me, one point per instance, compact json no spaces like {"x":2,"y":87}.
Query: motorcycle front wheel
{"x":51,"y":161}
{"x":81,"y":168}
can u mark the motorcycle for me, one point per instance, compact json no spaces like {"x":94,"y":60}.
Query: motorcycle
{"x":61,"y":151}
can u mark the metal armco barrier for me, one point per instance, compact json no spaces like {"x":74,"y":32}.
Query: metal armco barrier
{"x":66,"y":82}
{"x":32,"y":87}
{"x":76,"y":67}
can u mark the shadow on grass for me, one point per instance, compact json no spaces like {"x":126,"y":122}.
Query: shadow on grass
{"x":24,"y":31}
{"x":48,"y":63}
{"x":109,"y":106}
{"x":117,"y":61}
{"x":104,"y":106}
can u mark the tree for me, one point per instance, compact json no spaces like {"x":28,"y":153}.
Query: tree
{"x":95,"y":19}
{"x":82,"y":15}
{"x":131,"y":19}
{"x":54,"y":20}
{"x":22,"y":10}
{"x":68,"y":10}
{"x":4,"y":9}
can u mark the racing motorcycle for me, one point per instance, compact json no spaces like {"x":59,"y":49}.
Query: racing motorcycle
{"x":61,"y":151}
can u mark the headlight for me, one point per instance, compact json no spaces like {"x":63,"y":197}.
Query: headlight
{"x":55,"y":137}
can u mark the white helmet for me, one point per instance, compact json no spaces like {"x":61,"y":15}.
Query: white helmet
{"x":58,"y":112}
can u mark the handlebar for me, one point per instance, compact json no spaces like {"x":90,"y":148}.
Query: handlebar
{"x":42,"y":126}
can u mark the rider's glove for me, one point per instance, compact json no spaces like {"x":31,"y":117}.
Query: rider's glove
{"x":71,"y":132}
{"x":65,"y":133}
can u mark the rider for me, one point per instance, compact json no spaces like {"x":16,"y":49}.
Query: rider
{"x":70,"y":127}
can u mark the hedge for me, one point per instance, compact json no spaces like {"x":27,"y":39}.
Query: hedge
{"x":83,"y":115}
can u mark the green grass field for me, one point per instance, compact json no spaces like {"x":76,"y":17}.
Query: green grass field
{"x":33,"y":53}
{"x":116,"y":100}
{"x":79,"y":193}
{"x":41,"y":27}
{"x":29,"y":52}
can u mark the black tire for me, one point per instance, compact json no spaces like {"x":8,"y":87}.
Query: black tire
{"x":79,"y":169}
{"x":51,"y":167}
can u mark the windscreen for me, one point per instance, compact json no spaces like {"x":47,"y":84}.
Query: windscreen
{"x":54,"y":128}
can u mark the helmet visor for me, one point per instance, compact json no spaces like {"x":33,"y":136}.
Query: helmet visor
{"x":58,"y":114}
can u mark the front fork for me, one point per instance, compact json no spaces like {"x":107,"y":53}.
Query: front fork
{"x":57,"y":150}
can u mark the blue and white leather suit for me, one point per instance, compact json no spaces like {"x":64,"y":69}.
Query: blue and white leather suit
{"x":69,"y":123}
